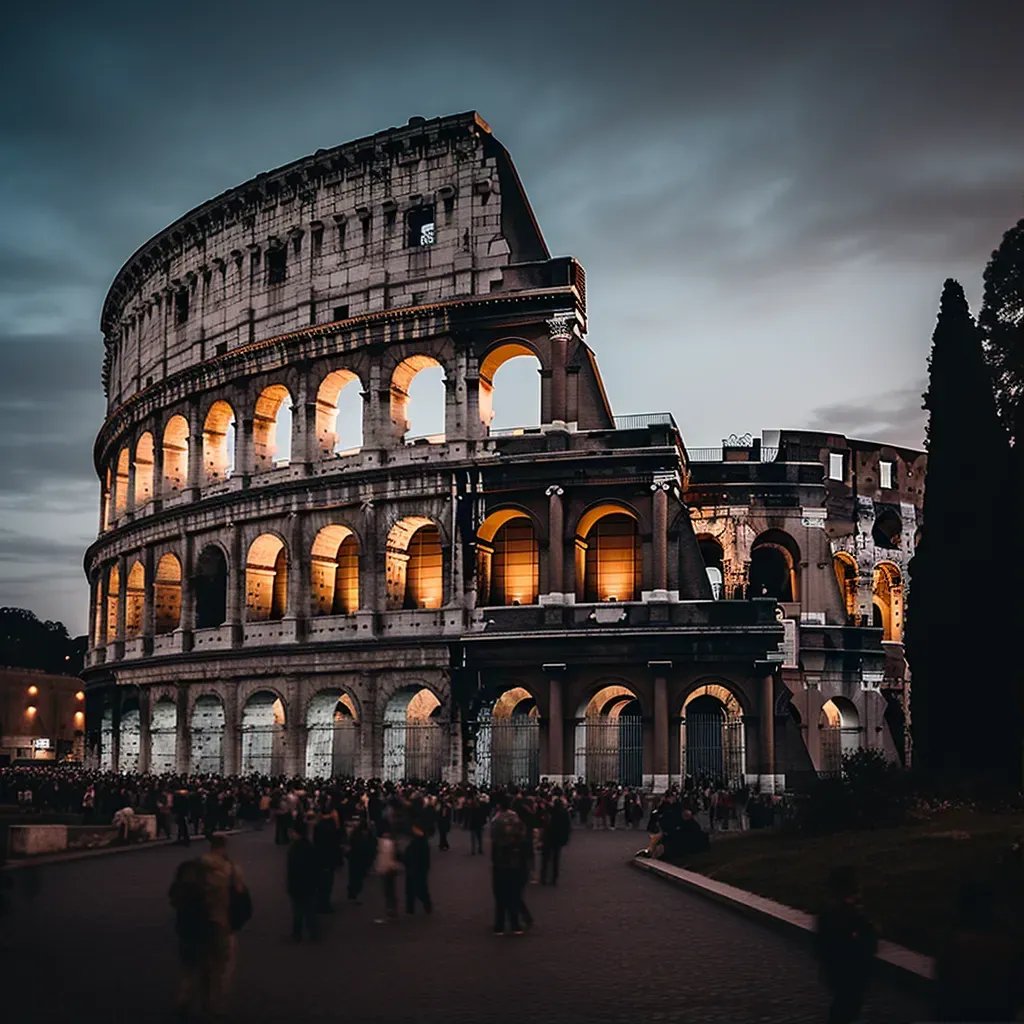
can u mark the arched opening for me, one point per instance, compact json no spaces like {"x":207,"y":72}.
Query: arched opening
{"x":332,"y":741}
{"x":774,"y":564}
{"x":175,"y":455}
{"x":888,"y":529}
{"x":418,"y":398}
{"x":414,"y":564}
{"x":163,"y":734}
{"x":339,"y":414}
{"x":712,"y":552}
{"x":263,"y":735}
{"x":609,"y":738}
{"x":507,"y":751}
{"x":167,"y":594}
{"x":211,"y":584}
{"x":413,"y":736}
{"x":609,"y":556}
{"x":121,"y":484}
{"x":507,"y":559}
{"x":266,"y":579}
{"x":144,"y":470}
{"x":98,"y":638}
{"x":839,"y":725}
{"x":135,"y":598}
{"x":272,"y":429}
{"x":887,"y":594}
{"x":512,"y":369}
{"x":107,"y":740}
{"x":845,"y":567}
{"x":113,"y":601}
{"x":207,"y":729}
{"x":129,"y":739}
{"x":334,"y":571}
{"x":711,"y":736}
{"x":219,"y":442}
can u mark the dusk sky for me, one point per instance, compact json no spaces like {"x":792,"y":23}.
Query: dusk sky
{"x":766,"y":196}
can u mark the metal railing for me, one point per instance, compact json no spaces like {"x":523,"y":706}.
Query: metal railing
{"x":644,"y":419}
{"x":718,"y":454}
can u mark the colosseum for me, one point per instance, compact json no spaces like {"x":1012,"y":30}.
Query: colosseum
{"x":285,"y":581}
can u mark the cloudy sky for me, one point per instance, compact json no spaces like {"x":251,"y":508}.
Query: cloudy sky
{"x":766,"y":196}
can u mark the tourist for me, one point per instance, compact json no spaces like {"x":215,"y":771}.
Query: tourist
{"x":557,"y":830}
{"x":416,"y":860}
{"x":387,"y":867}
{"x":303,"y":882}
{"x":477,"y":819}
{"x":327,"y":847}
{"x":360,"y":857}
{"x":508,"y":862}
{"x":444,"y":823}
{"x":846,"y":946}
{"x":188,"y":897}
{"x":222,"y":879}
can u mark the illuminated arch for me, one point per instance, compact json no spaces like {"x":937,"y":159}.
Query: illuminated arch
{"x":712,"y":741}
{"x":609,"y":737}
{"x":163,"y":733}
{"x":840,"y":733}
{"x":401,"y":380}
{"x":334,"y":571}
{"x":494,"y":361}
{"x":609,"y":555}
{"x":218,"y":442}
{"x":774,"y":566}
{"x":508,"y":559}
{"x":887,"y":594}
{"x":271,"y":445}
{"x":175,"y":445}
{"x":167,"y":594}
{"x":713,"y":554}
{"x":414,"y":566}
{"x":135,"y":597}
{"x":266,"y":579}
{"x":206,"y":725}
{"x":113,"y":601}
{"x":143,"y":470}
{"x":121,"y":484}
{"x":263,"y":736}
{"x":332,"y":738}
{"x":413,"y":736}
{"x":328,"y":396}
{"x":845,"y":567}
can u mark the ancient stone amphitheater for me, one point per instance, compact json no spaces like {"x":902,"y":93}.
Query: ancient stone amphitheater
{"x":285,"y":581}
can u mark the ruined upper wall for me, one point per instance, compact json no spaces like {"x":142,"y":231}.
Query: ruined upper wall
{"x":324,"y":239}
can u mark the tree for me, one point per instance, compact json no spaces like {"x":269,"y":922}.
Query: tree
{"x":27,"y":642}
{"x":955,"y":639}
{"x":1002,"y":322}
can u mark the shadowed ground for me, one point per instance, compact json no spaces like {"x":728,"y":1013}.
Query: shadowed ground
{"x":610,"y":944}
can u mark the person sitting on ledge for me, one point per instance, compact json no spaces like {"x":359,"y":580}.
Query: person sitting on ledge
{"x":687,"y":838}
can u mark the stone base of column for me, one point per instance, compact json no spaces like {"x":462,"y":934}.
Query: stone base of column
{"x":554,"y":780}
{"x":648,"y":782}
{"x":660,"y":783}
{"x":768,"y":783}
{"x":556,"y":598}
{"x":557,"y":427}
{"x":660,"y":597}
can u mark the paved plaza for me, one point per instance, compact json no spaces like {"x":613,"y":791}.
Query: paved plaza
{"x":609,"y":944}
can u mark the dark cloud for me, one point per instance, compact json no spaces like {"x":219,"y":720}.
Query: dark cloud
{"x":767,"y":197}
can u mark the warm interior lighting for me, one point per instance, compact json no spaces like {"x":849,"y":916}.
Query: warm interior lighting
{"x":33,"y":690}
{"x":80,"y":695}
{"x":30,"y":710}
{"x":79,"y":717}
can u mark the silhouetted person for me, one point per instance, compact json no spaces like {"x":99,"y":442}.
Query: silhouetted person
{"x":556,"y":834}
{"x":509,"y":865}
{"x":327,"y":847}
{"x":846,"y":945}
{"x":302,"y":882}
{"x":477,"y":820}
{"x":978,"y":970}
{"x":417,"y":870}
{"x":360,"y":857}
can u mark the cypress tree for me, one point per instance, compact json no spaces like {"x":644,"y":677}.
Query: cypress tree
{"x":952,"y":639}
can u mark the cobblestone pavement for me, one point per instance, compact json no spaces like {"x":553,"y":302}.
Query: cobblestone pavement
{"x":609,"y":944}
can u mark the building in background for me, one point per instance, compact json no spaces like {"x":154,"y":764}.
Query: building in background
{"x":42,"y":716}
{"x":286,"y":581}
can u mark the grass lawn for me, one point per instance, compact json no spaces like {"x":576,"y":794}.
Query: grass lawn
{"x":909,"y":875}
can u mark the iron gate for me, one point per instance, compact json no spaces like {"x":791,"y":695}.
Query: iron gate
{"x":507,"y":751}
{"x":262,"y":750}
{"x":836,"y":742}
{"x":713,"y":747}
{"x":332,"y":749}
{"x":413,"y":750}
{"x":610,"y":749}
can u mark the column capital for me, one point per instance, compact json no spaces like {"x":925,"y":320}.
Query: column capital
{"x":561,"y":325}
{"x":553,"y":669}
{"x":554,"y":491}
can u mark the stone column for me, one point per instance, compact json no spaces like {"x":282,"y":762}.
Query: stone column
{"x":231,"y":753}
{"x":303,"y":423}
{"x":145,"y":726}
{"x":196,"y":469}
{"x":115,"y":730}
{"x":245,"y":457}
{"x":660,"y":582}
{"x":661,"y":724}
{"x":122,"y":604}
{"x":187,"y":620}
{"x":158,"y":469}
{"x":865,"y":598}
{"x":560,"y":331}
{"x":104,"y":611}
{"x":556,"y":544}
{"x":298,"y":599}
{"x":766,"y":709}
{"x":182,"y":746}
{"x":129,"y":505}
{"x":236,"y":587}
{"x":556,"y":725}
{"x":148,"y":600}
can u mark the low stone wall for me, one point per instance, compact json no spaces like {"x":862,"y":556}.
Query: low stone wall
{"x":26,"y":841}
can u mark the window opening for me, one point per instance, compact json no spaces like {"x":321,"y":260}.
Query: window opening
{"x":835,"y":466}
{"x":277,"y":265}
{"x":885,"y":472}
{"x":420,"y":223}
{"x":181,"y":306}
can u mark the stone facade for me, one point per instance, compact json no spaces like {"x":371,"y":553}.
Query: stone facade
{"x":496,"y":605}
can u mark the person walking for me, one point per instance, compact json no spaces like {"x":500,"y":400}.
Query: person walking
{"x":327,"y":847}
{"x":180,"y":808}
{"x":416,"y":860}
{"x":223,"y":883}
{"x":508,"y":866}
{"x":477,"y":819}
{"x":188,"y":898}
{"x":556,"y":835}
{"x":303,"y":870}
{"x":360,"y":857}
{"x":846,"y":946}
{"x":387,"y":867}
{"x":444,"y":823}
